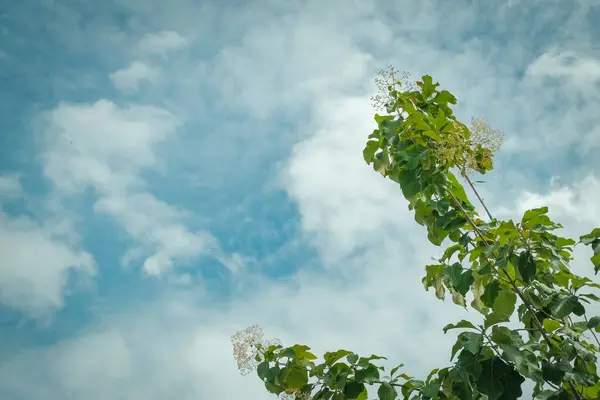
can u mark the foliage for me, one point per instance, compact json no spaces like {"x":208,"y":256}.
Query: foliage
{"x":510,"y":268}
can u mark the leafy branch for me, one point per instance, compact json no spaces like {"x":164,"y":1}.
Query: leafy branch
{"x":506,"y":266}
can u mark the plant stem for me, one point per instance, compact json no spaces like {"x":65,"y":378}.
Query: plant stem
{"x":464,"y":174}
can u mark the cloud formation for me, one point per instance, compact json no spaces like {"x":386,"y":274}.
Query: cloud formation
{"x":272,"y":110}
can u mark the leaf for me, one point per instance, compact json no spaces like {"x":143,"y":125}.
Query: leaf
{"x":386,"y":392}
{"x":526,"y":267}
{"x":390,"y":128}
{"x":452,"y":274}
{"x":370,"y":150}
{"x":466,"y":364}
{"x":275,"y":389}
{"x":301,"y":351}
{"x":471,"y":341}
{"x":458,"y":298}
{"x":590,"y":237}
{"x":434,"y":277}
{"x":332,"y":357}
{"x":504,"y":305}
{"x":296,"y":378}
{"x":456,"y":188}
{"x":596,"y":261}
{"x":465,"y":282}
{"x":436,"y":235}
{"x":444,"y":97}
{"x":501,"y":335}
{"x":550,"y":325}
{"x":490,"y":294}
{"x":593,"y":322}
{"x":552,"y":373}
{"x":478,"y":291}
{"x":263,"y":370}
{"x":461,"y":324}
{"x":524,"y":360}
{"x":562,"y":305}
{"x":535,"y":217}
{"x":428,"y":86}
{"x":432,"y":389}
{"x":363,"y":396}
{"x":352,"y":358}
{"x":368,"y":375}
{"x":353,"y":389}
{"x":493,"y":319}
{"x":499,"y":381}
{"x":395,"y":369}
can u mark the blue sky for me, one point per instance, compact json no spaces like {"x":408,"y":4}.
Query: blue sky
{"x":172,"y":172}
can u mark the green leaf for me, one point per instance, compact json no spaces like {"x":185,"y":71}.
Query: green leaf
{"x":526,"y":267}
{"x":465,"y":282}
{"x":471,"y":341}
{"x":504,"y":305}
{"x":409,"y":183}
{"x":428,"y":87}
{"x":434,"y":277}
{"x":353,"y":389}
{"x":552,"y":373}
{"x":368,"y":375}
{"x":336,"y":377}
{"x":493,"y":319}
{"x":490,"y":294}
{"x":272,"y":388}
{"x":363,"y":396}
{"x":596,"y":261}
{"x":352,"y":358}
{"x":562,"y":305}
{"x":301,"y":351}
{"x":535,"y":217}
{"x":296,"y":378}
{"x":593,"y":322}
{"x":323,"y":394}
{"x":386,"y":392}
{"x":436,"y":235}
{"x":467,"y":363}
{"x":370,"y":150}
{"x":590,"y":237}
{"x":452,"y":275}
{"x":457,"y":346}
{"x":440,"y":121}
{"x":501,"y":335}
{"x":524,"y":360}
{"x":499,"y":381}
{"x":432,"y":389}
{"x":444,"y":97}
{"x":461,"y":324}
{"x":550,"y":325}
{"x":332,"y":357}
{"x":263,"y":370}
{"x":390,"y":128}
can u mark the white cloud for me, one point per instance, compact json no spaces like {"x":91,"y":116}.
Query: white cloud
{"x":577,"y":202}
{"x":106,"y":147}
{"x":369,"y":300}
{"x":575,"y":68}
{"x":10,"y":186}
{"x":35,"y":266}
{"x":162,"y":42}
{"x":129,"y":78}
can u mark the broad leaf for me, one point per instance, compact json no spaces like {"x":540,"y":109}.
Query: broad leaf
{"x":504,"y":305}
{"x":461,"y":324}
{"x":386,"y":392}
{"x":499,"y":381}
